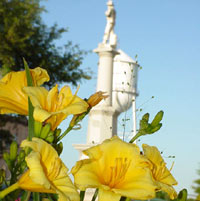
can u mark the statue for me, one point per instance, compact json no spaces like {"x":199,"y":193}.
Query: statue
{"x":109,"y":35}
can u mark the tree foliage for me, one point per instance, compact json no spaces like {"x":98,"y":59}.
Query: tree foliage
{"x":197,"y":186}
{"x":23,"y":34}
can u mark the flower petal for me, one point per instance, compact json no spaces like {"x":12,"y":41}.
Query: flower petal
{"x":41,"y":115}
{"x":52,"y":98}
{"x":138,"y":184}
{"x":85,"y":175}
{"x":65,"y":187}
{"x":12,"y":94}
{"x":37,"y":173}
{"x":47,"y":152}
{"x":37,"y":96}
{"x":77,"y":107}
{"x":39,"y":76}
{"x":108,"y":195}
{"x":26,"y":183}
{"x":169,"y":190}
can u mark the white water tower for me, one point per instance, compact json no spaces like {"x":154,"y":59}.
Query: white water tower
{"x":125,"y":72}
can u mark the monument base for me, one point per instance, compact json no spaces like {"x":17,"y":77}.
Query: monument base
{"x":100,"y":124}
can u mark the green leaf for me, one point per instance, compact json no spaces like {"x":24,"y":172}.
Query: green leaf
{"x":28,"y":74}
{"x":30,"y":106}
{"x":182,"y":196}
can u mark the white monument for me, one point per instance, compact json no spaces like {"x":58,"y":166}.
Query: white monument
{"x":117,"y":76}
{"x":109,"y":35}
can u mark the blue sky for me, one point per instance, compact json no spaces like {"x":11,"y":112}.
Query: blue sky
{"x":165,"y":36}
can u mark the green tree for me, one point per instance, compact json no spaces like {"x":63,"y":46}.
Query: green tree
{"x":23,"y":34}
{"x":197,"y":186}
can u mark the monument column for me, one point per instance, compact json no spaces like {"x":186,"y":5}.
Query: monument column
{"x":101,"y":117}
{"x":105,"y":71}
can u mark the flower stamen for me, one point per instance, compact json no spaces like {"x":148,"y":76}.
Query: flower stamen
{"x":118,"y":172}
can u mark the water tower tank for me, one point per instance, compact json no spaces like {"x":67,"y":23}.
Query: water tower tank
{"x":124,"y":81}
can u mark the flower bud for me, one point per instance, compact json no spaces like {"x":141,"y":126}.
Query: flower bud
{"x":96,"y":98}
{"x":50,"y":137}
{"x":27,"y":150}
{"x":23,"y":166}
{"x":21,"y":155}
{"x":37,"y":128}
{"x":45,"y":131}
{"x":2,"y":176}
{"x":59,"y":148}
{"x":156,"y":128}
{"x":6,"y":156}
{"x":57,"y":132}
{"x":143,"y":124}
{"x":146,"y":117}
{"x":13,"y":151}
{"x":157,"y":119}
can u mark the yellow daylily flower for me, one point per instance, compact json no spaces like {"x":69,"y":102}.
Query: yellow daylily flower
{"x":12,"y":97}
{"x":117,"y":169}
{"x":46,"y":173}
{"x":54,"y":106}
{"x":162,"y":176}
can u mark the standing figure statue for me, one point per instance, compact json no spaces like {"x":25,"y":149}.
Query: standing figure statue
{"x":109,"y":35}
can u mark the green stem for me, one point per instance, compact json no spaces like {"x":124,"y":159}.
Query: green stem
{"x":135,"y":137}
{"x":28,"y":74}
{"x":36,"y":196}
{"x":95,"y":195}
{"x":65,"y":133}
{"x":82,"y":195}
{"x":30,"y":120}
{"x":9,"y":190}
{"x":79,"y":118}
{"x":14,"y":173}
{"x":30,"y":106}
{"x":26,"y":196}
